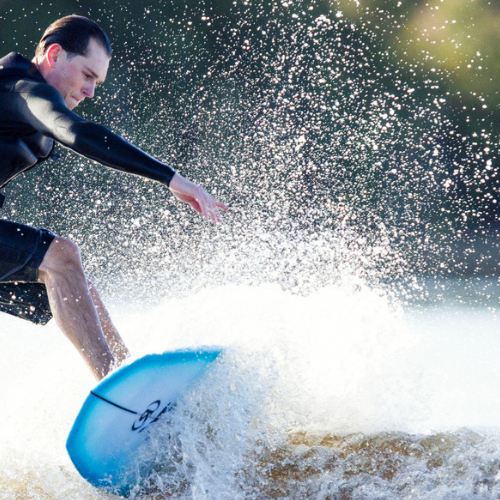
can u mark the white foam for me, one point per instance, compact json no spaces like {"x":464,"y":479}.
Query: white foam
{"x":342,"y":360}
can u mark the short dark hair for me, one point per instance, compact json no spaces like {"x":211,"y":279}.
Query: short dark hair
{"x":73,"y":34}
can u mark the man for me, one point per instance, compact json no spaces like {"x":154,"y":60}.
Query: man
{"x":39,"y":271}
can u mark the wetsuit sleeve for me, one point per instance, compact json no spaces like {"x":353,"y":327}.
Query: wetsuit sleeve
{"x":47,"y":112}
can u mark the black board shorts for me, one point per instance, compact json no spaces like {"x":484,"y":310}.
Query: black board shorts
{"x":22,"y":249}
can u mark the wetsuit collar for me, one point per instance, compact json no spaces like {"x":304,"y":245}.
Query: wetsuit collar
{"x":16,"y":65}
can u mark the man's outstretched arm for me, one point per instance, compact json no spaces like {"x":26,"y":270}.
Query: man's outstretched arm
{"x":48,"y":113}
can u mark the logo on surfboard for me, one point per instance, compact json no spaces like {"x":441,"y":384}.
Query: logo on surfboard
{"x":151,"y":415}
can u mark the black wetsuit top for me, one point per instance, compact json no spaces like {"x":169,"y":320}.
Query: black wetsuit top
{"x":33,"y":115}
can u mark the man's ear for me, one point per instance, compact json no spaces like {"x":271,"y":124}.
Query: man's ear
{"x":53,"y":53}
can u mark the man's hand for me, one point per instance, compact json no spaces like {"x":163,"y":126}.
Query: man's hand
{"x":197,"y":197}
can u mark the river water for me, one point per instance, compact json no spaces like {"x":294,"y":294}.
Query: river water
{"x":340,"y":394}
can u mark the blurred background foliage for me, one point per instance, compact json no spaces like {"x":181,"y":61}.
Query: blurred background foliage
{"x":379,"y":114}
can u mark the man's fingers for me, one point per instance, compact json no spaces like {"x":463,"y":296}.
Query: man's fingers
{"x":209,"y":206}
{"x":213,"y":211}
{"x":204,"y":202}
{"x":198,"y":198}
{"x":196,"y":206}
{"x":221,"y":205}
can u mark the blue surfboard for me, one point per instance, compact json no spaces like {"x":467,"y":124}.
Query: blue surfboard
{"x":117,"y":414}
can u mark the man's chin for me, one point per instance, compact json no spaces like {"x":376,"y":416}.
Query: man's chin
{"x":72,"y":103}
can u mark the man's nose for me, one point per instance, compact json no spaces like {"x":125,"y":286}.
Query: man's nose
{"x":89,"y":90}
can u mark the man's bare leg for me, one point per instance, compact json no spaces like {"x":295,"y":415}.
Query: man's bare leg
{"x":113,"y":338}
{"x":72,"y":307}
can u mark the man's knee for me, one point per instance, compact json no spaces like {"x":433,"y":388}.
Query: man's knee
{"x":63,"y":256}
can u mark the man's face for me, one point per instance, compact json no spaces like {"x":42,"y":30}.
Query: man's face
{"x":76,"y":77}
